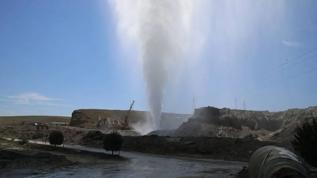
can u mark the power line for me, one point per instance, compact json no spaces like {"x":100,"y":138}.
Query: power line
{"x":294,"y":60}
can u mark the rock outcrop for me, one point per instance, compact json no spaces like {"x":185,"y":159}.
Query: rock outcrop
{"x":210,"y":121}
{"x":103,"y":119}
{"x":115,"y":119}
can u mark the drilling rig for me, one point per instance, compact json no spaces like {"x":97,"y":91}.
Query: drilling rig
{"x":126,"y":118}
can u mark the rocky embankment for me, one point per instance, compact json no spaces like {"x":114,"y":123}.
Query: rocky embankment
{"x":263,"y":125}
{"x":121,"y":120}
{"x":103,"y":119}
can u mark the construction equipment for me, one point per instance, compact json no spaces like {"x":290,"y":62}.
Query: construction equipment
{"x":126,"y":118}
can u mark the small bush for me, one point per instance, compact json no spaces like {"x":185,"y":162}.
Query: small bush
{"x":56,"y":138}
{"x":112,"y":142}
{"x":305,"y":141}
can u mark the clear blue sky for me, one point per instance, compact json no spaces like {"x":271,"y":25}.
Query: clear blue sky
{"x":57,"y":56}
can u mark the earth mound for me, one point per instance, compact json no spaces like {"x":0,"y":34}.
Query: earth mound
{"x":263,"y":125}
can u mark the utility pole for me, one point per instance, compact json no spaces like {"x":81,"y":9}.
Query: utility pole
{"x":244,"y":105}
{"x":235,"y":103}
{"x":194,"y":103}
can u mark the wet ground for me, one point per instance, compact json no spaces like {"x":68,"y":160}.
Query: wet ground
{"x":145,"y":165}
{"x":137,"y":165}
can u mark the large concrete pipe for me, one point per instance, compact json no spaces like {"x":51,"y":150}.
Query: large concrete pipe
{"x":276,"y":162}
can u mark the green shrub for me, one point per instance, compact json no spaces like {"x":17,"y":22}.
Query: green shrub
{"x":112,"y":142}
{"x":56,"y":138}
{"x":305,"y":141}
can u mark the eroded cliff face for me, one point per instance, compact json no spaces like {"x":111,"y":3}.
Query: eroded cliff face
{"x":106,"y":119}
{"x":291,"y":119}
{"x":237,"y":119}
{"x":210,"y":121}
{"x":116,"y":119}
{"x":205,"y":122}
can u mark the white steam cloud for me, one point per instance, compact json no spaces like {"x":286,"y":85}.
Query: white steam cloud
{"x":161,"y":30}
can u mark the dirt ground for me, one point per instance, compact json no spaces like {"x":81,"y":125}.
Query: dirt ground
{"x":20,"y":159}
{"x":17,"y":120}
{"x":13,"y":155}
{"x":33,"y":160}
{"x":233,"y":149}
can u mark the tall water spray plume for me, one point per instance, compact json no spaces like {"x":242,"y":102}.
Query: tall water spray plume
{"x":160,"y":29}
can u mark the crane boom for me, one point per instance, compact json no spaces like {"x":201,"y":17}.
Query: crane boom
{"x":126,"y":122}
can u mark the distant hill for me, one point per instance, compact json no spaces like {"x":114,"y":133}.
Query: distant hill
{"x":12,"y":120}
